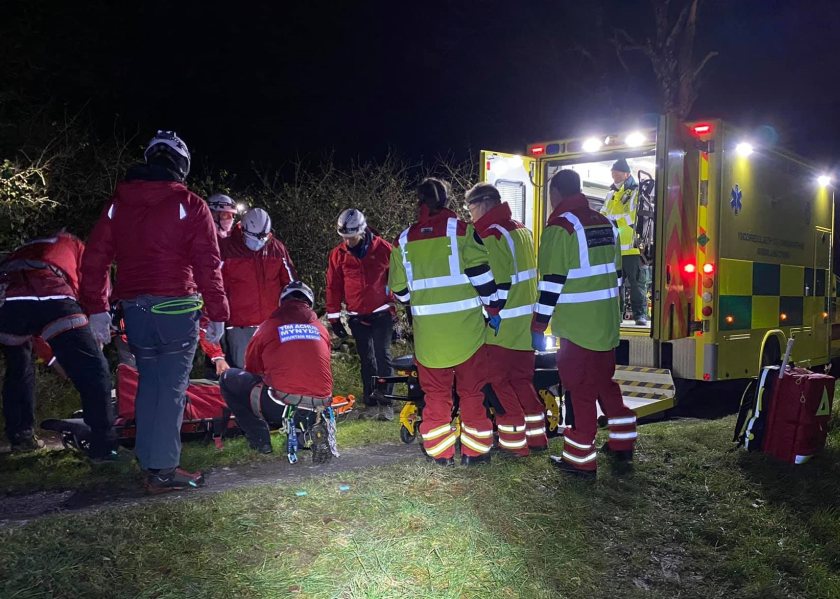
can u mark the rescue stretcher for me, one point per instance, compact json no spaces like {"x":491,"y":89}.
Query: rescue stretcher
{"x":646,"y":391}
{"x":206,"y":415}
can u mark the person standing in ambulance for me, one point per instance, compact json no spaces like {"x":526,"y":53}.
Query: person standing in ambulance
{"x":620,"y":207}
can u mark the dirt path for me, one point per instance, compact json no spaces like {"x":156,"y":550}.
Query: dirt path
{"x":16,"y":510}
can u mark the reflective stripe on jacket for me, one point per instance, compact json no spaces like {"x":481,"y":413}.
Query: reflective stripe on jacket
{"x":580,"y":272}
{"x":511,"y":250}
{"x":620,"y":206}
{"x":440,"y":265}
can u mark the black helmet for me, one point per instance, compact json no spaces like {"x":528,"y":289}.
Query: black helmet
{"x":168,"y":146}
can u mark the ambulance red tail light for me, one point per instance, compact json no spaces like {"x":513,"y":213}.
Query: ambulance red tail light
{"x":709,"y":268}
{"x":689,"y":268}
{"x":537,"y":150}
{"x":701,"y":129}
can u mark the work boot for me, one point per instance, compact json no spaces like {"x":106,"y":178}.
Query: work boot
{"x":442,"y":461}
{"x":641,"y":321}
{"x":386,"y":412}
{"x":618,"y":456}
{"x":567,"y":468}
{"x":109,"y":456}
{"x":26,"y":443}
{"x":475,"y":460}
{"x":176,"y":479}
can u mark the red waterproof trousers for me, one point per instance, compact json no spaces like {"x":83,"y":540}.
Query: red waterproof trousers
{"x":436,"y":428}
{"x":587,"y":375}
{"x":522,"y":426}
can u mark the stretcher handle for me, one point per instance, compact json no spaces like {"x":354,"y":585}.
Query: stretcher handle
{"x":786,"y":359}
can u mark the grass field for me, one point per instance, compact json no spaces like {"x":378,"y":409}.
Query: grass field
{"x":694,"y":519}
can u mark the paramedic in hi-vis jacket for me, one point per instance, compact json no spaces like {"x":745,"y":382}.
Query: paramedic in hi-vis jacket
{"x":440,"y":266}
{"x":620,"y":207}
{"x":580,"y":276}
{"x":510,"y":358}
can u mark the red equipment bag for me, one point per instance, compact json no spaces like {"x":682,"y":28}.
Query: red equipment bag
{"x":790,"y":415}
{"x":205,"y":410}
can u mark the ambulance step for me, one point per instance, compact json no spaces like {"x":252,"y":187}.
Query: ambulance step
{"x":646,"y":391}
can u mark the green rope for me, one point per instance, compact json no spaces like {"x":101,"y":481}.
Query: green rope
{"x":182,"y":305}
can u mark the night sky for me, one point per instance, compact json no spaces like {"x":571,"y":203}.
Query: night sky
{"x":265,"y":82}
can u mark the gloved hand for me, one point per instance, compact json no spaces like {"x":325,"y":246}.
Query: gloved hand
{"x":221,"y":366}
{"x":495,"y":322}
{"x":214,"y":331}
{"x":538,"y":340}
{"x":100,"y":326}
{"x":339,"y":330}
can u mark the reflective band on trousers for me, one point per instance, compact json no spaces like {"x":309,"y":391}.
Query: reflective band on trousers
{"x":622,"y":420}
{"x":514,"y":312}
{"x":331,"y":315}
{"x":476,"y":433}
{"x":576,"y":444}
{"x":534,"y":417}
{"x":437,"y":432}
{"x":62,"y":325}
{"x":623,"y":436}
{"x":587,"y":296}
{"x":513,"y":444}
{"x":442,"y":446}
{"x":533,"y":432}
{"x":474,"y":445}
{"x":446,"y":307}
{"x":508,"y":428}
{"x":577,"y":460}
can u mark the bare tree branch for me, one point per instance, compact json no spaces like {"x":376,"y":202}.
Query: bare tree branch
{"x":703,"y":63}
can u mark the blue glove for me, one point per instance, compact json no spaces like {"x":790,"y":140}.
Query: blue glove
{"x":495,"y":322}
{"x":538,"y":341}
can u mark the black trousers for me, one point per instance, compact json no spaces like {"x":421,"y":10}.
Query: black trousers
{"x":373,"y":333}
{"x":236,"y":385}
{"x":76,"y":351}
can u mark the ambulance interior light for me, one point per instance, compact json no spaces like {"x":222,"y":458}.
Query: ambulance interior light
{"x":593,"y":144}
{"x":744,"y":149}
{"x":634,"y":139}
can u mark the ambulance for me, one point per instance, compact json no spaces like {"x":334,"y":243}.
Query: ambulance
{"x":738,"y":237}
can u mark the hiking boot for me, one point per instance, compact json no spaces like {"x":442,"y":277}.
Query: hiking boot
{"x":641,"y":321}
{"x":386,"y":412}
{"x":475,"y":460}
{"x":176,"y":479}
{"x":26,"y":444}
{"x":618,"y":456}
{"x":567,"y":468}
{"x":264,"y":449}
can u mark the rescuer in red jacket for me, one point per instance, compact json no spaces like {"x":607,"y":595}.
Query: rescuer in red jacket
{"x":41,"y":282}
{"x":287,"y":363}
{"x":357,"y":278}
{"x":255,"y":268}
{"x":162,"y":238}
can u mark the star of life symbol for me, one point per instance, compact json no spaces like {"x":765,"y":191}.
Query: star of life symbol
{"x":735,"y":199}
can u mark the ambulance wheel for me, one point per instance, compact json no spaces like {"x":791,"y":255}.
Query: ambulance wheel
{"x":405,"y":436}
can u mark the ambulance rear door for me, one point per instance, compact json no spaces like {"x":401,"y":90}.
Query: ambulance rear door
{"x":513,"y":177}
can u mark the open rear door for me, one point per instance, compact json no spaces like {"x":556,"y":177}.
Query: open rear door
{"x":513,"y":177}
{"x":675,"y":271}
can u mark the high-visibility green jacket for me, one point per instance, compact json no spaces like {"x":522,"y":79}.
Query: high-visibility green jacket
{"x":511,"y":248}
{"x":620,"y":206}
{"x":440,"y":266}
{"x":580,"y":273}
